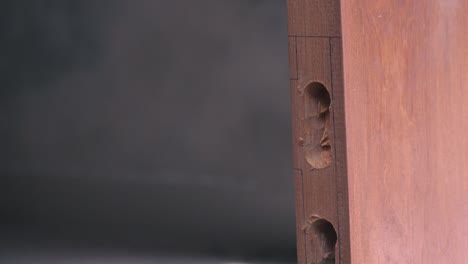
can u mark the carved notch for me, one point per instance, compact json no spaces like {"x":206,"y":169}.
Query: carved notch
{"x":317,"y":126}
{"x":322,"y":237}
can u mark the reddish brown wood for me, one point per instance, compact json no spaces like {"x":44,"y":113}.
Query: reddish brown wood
{"x":315,"y":57}
{"x":314,"y":18}
{"x":406,"y":98}
{"x":397,"y":129}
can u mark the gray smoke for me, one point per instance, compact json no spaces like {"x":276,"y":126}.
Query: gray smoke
{"x":159,"y":124}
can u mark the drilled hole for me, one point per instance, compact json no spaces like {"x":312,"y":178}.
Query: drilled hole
{"x":323,"y":239}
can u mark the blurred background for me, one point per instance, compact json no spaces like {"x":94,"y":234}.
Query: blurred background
{"x":145,"y":131}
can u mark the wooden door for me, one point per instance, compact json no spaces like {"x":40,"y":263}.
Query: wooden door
{"x":380,"y":130}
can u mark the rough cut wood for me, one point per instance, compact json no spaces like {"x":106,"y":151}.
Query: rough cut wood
{"x":382,"y":168}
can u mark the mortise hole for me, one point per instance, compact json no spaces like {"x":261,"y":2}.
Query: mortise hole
{"x":317,"y":126}
{"x":319,"y":99}
{"x":323,"y":239}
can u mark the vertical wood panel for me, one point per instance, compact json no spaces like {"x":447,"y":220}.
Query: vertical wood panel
{"x":406,"y":108}
{"x":319,"y":185}
{"x":315,"y":56}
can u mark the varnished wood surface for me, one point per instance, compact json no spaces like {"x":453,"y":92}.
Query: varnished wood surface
{"x":406,"y":109}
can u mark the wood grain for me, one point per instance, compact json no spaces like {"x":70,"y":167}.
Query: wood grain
{"x":314,"y":18}
{"x":399,"y":119}
{"x":315,"y":56}
{"x":406,"y":111}
{"x":318,"y":185}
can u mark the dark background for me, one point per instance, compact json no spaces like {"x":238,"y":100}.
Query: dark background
{"x":145,"y":128}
